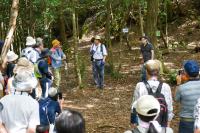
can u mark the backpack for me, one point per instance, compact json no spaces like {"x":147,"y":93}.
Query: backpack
{"x":163,"y":115}
{"x":93,"y":52}
{"x":36,"y":70}
{"x":43,"y":109}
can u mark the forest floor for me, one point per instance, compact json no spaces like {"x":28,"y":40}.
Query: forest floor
{"x":108,"y":110}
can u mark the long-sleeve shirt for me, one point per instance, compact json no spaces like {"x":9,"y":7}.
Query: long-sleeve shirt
{"x":141,"y":90}
{"x":56,"y":57}
{"x":187,"y":94}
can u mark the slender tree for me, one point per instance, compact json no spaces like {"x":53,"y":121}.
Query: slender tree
{"x":76,"y":60}
{"x":12,"y":26}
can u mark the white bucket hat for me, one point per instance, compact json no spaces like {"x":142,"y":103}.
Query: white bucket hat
{"x":11,"y":56}
{"x":30,"y":41}
{"x":145,"y":104}
{"x":24,"y":81}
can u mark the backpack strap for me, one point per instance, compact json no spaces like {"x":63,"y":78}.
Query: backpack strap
{"x":135,"y":130}
{"x":148,"y":87}
{"x":158,"y":91}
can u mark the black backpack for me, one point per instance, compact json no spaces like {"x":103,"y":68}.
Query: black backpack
{"x":163,"y":115}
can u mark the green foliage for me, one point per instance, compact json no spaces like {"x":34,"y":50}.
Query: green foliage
{"x":109,"y":70}
{"x":172,"y":77}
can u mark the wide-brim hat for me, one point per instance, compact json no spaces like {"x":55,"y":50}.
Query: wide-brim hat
{"x":30,"y":41}
{"x":147,"y":105}
{"x":23,"y":64}
{"x":24,"y":81}
{"x":11,"y":56}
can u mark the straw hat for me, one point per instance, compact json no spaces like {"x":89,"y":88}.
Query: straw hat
{"x":55,"y":42}
{"x":11,"y":56}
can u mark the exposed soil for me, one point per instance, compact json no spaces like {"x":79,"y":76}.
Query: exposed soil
{"x":108,"y":110}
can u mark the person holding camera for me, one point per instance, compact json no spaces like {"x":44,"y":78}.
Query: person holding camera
{"x":98,"y":54}
{"x":187,"y":94}
{"x":49,"y":108}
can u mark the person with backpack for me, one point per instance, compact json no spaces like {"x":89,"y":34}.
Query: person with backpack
{"x":20,"y":112}
{"x":148,"y":108}
{"x":11,"y":62}
{"x":49,"y":108}
{"x":187,"y":94}
{"x":42,"y":72}
{"x":29,"y":51}
{"x":56,"y":61}
{"x":98,"y":54}
{"x":147,"y":51}
{"x":159,"y":90}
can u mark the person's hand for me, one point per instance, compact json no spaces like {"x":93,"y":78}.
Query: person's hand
{"x":197,"y":131}
{"x":178,"y":79}
{"x":133,"y":125}
{"x":168,"y":123}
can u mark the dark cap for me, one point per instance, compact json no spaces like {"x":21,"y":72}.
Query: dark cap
{"x":145,"y":37}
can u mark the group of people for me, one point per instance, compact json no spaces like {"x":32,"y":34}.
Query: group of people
{"x":31,"y":96}
{"x":152,"y":106}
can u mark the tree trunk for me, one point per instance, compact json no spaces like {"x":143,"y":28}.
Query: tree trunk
{"x":141,"y":18}
{"x":62,"y":25}
{"x":12,"y":26}
{"x":151,"y":24}
{"x":107,"y":34}
{"x":76,"y":60}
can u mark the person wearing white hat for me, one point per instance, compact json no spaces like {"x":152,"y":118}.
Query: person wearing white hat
{"x":148,"y":108}
{"x":11,"y":61}
{"x":21,"y":112}
{"x":98,"y":54}
{"x":152,"y":87}
{"x":50,"y":107}
{"x":29,"y":51}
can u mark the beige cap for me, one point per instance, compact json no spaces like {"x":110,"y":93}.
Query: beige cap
{"x":30,"y":41}
{"x":97,"y":37}
{"x":145,"y":104}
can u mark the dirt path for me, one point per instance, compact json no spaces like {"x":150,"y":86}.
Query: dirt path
{"x":108,"y":111}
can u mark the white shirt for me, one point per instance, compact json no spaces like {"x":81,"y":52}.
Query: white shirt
{"x":98,"y":52}
{"x":20,"y":112}
{"x":31,"y":54}
{"x":141,"y":90}
{"x":197,"y":115}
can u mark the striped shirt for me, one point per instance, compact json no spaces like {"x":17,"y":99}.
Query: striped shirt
{"x":187,"y":94}
{"x":141,"y":90}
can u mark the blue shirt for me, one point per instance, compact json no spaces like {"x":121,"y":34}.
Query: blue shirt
{"x":187,"y":94}
{"x":53,"y":107}
{"x":56,"y":57}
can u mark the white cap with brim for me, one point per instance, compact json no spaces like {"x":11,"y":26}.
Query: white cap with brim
{"x":24,"y":81}
{"x":30,"y":41}
{"x":11,"y":56}
{"x":145,"y":104}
